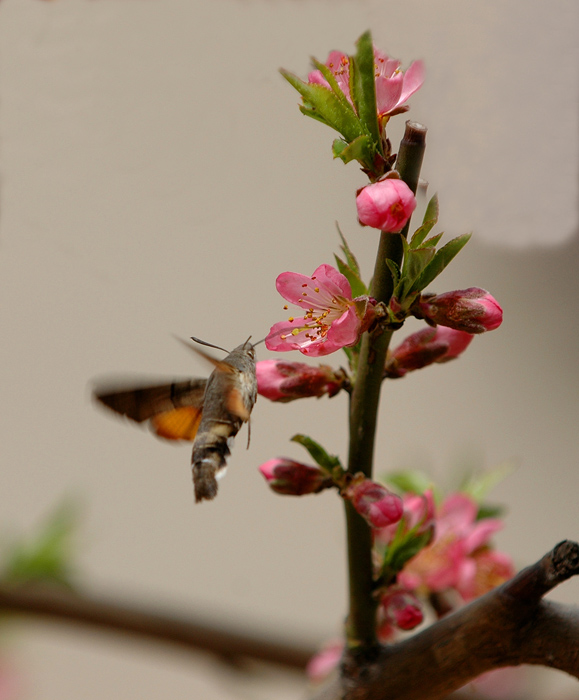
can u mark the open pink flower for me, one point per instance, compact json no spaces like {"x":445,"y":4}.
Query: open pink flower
{"x":331,"y":320}
{"x":386,"y":205}
{"x":393,"y":86}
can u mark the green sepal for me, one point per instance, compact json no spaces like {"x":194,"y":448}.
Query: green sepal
{"x":317,"y":453}
{"x":363,"y":87}
{"x":323,"y":104}
{"x":47,"y":556}
{"x":409,"y":481}
{"x":439,"y":262}
{"x":361,"y":149}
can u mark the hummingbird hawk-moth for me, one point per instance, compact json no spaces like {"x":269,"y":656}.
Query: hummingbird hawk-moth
{"x":208,"y":412}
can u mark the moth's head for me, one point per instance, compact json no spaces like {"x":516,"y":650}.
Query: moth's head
{"x":249,"y":348}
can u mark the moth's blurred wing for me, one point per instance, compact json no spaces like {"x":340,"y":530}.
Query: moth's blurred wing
{"x":178,"y":424}
{"x":142,"y":403}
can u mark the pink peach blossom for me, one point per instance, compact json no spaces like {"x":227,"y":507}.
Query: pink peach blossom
{"x":374,"y":502}
{"x":386,"y":205}
{"x":331,"y":320}
{"x":393,"y":86}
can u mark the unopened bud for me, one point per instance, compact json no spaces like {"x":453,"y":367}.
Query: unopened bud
{"x":285,"y":381}
{"x":402,"y":608}
{"x":471,"y":310}
{"x":386,"y":205}
{"x":374,"y":502}
{"x":293,"y":478}
{"x":424,"y":347}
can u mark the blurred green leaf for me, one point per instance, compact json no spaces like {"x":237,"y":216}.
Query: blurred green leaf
{"x":46,"y":557}
{"x":409,"y":481}
{"x":479,"y":485}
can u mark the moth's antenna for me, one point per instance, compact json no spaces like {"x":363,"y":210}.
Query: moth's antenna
{"x":209,"y":345}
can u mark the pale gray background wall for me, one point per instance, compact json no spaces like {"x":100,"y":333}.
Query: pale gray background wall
{"x":156,"y":176}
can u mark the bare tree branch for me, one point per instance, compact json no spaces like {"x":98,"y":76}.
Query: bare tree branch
{"x":509,"y":626}
{"x":231,"y":645}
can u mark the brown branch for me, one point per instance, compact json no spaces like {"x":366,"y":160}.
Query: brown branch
{"x":232,"y":646}
{"x":509,"y":626}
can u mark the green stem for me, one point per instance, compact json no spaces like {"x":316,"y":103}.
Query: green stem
{"x":364,"y":401}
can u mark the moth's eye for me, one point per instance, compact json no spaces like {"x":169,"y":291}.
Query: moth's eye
{"x":251,"y":353}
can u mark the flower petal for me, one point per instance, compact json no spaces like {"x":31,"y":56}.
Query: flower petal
{"x":413,"y":79}
{"x":388,"y":91}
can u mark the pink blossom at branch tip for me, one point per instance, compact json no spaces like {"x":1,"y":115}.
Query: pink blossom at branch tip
{"x":374,"y":502}
{"x":471,"y":310}
{"x":331,"y":318}
{"x":282,"y":381}
{"x":386,"y":205}
{"x":393,"y":86}
{"x":294,"y":478}
{"x":424,"y":347}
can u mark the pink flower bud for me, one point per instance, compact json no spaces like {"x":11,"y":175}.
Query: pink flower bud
{"x":424,"y":347}
{"x":378,"y":506}
{"x":386,"y":205}
{"x":471,"y":310}
{"x":293,"y":478}
{"x":278,"y":380}
{"x":402,"y":608}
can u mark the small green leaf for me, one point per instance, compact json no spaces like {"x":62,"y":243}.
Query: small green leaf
{"x":479,"y":485}
{"x":358,"y":287}
{"x":317,"y":452}
{"x":490,"y":511}
{"x":333,"y":83}
{"x":409,"y":481}
{"x":432,"y":210}
{"x":361,"y":149}
{"x":415,"y":262}
{"x":439,"y":262}
{"x":428,"y":223}
{"x":327,"y":105}
{"x":350,"y":257}
{"x":362,"y":80}
{"x":433,"y":242}
{"x":398,"y":556}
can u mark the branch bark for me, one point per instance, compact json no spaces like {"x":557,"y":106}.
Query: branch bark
{"x":230,"y":645}
{"x":509,"y":626}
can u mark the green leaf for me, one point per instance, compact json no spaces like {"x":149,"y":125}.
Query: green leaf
{"x":479,"y":485}
{"x":428,"y":223}
{"x":432,"y":242}
{"x":327,"y":106}
{"x":490,"y":511}
{"x":415,"y":262}
{"x":362,"y":81}
{"x":358,"y":287}
{"x":330,"y":77}
{"x":350,"y":257}
{"x":409,"y":481}
{"x":361,"y":149}
{"x":398,"y":555}
{"x":317,"y":452}
{"x":439,"y":262}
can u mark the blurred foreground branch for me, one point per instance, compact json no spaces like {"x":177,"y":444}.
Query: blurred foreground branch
{"x":229,"y":644}
{"x":509,"y":626}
